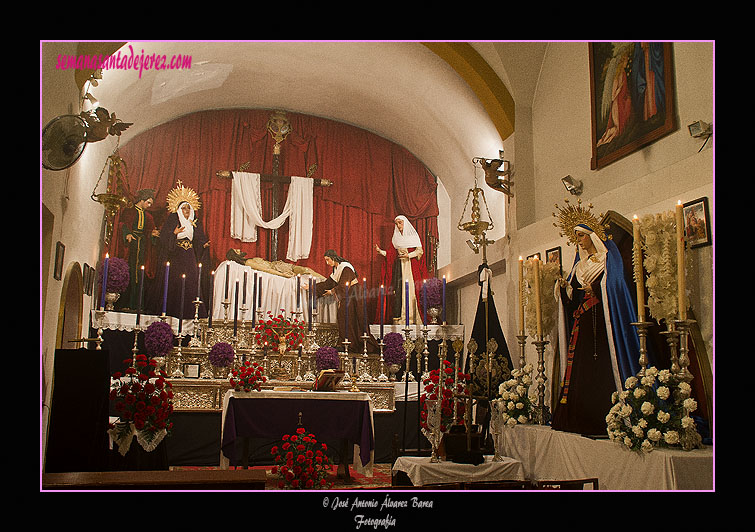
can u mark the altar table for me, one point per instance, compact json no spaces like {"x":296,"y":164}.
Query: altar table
{"x":328,"y":415}
{"x":421,"y":471}
{"x":549,"y":454}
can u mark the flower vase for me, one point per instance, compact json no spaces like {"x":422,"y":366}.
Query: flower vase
{"x":434,"y":312}
{"x":110,"y":299}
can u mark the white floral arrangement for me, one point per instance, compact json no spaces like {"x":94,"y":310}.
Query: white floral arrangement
{"x":660,"y":261}
{"x":549,"y":273}
{"x":515,"y":404}
{"x":653,"y":411}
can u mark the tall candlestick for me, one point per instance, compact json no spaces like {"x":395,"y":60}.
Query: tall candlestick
{"x":181,"y":308}
{"x":538,"y":309}
{"x":364,"y":299}
{"x":199,"y":280}
{"x":298,"y":291}
{"x":236,"y":308}
{"x":104,"y":281}
{"x":227,"y":273}
{"x":382,"y":308}
{"x":243,"y":296}
{"x":211,"y":297}
{"x":165,"y":287}
{"x":681,"y":281}
{"x":424,"y":302}
{"x":443,"y":311}
{"x":521,"y":296}
{"x":309,"y":303}
{"x":638,"y":269}
{"x":406,"y":299}
{"x":141,"y":294}
{"x":346,"y":328}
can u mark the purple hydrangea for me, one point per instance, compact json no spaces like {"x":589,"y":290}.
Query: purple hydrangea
{"x":117,"y":275}
{"x":158,"y":339}
{"x":434,"y":292}
{"x":327,"y":358}
{"x":393,"y":352}
{"x":221,"y":355}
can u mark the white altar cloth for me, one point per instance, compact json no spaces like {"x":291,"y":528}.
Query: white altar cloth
{"x":549,"y":454}
{"x":278,"y":293}
{"x":421,"y":471}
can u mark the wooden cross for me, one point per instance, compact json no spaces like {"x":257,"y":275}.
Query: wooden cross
{"x":279,"y":128}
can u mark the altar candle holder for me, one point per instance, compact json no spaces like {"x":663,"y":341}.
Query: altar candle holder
{"x":425,"y":354}
{"x":226,"y":305}
{"x":243,"y":341}
{"x":642,"y":334}
{"x":99,"y":315}
{"x":672,"y":339}
{"x":365,"y":375}
{"x":683,"y":327}
{"x":354,"y":367}
{"x":299,"y":377}
{"x":409,"y":349}
{"x":345,"y":361}
{"x":522,"y":339}
{"x":195,"y":339}
{"x":135,"y":349}
{"x":178,"y":372}
{"x":541,"y":414}
{"x":382,"y":377}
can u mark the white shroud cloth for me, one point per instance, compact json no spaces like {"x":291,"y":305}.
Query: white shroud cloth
{"x":246,"y":212}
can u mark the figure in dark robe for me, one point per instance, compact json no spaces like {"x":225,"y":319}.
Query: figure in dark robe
{"x":184,"y":245}
{"x":599,"y":348}
{"x":139,"y":240}
{"x":343,"y":284}
{"x":402,"y":265}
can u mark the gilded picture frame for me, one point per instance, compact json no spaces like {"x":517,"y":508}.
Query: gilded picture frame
{"x":632,"y":97}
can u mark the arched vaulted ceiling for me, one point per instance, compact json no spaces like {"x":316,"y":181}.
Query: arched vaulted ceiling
{"x":441,"y":101}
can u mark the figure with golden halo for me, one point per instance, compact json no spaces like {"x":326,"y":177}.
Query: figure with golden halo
{"x":598,"y":347}
{"x":184,"y":244}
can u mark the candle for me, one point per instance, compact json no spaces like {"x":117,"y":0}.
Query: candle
{"x":141,"y":294}
{"x":538,"y":309}
{"x":104,"y":281}
{"x":443,"y":318}
{"x":364,"y":299}
{"x":243,"y":297}
{"x":424,"y":302}
{"x":309,"y":303}
{"x":521,"y":296}
{"x":298,"y":291}
{"x":638,"y":269}
{"x":165,"y":287}
{"x":211,"y":299}
{"x":236,"y":308}
{"x":382,"y":309}
{"x":346,"y":328}
{"x":181,"y":308}
{"x":259,"y":294}
{"x":254,"y":300}
{"x":406,"y":299}
{"x":227,"y":272}
{"x":199,"y":280}
{"x":681,"y":281}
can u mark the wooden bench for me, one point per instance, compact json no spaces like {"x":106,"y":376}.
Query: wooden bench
{"x":185,"y":479}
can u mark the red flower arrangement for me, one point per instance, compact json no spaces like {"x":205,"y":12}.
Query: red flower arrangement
{"x":248,"y":377}
{"x":301,"y":462}
{"x":143,"y":396}
{"x":270,"y":332}
{"x":440,"y":385}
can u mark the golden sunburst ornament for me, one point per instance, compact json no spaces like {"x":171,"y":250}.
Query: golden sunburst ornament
{"x":180,"y":194}
{"x":570,"y":216}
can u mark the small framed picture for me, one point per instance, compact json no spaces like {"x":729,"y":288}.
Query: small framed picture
{"x":697,"y":223}
{"x":535,"y":256}
{"x":191,"y":371}
{"x":60,"y":251}
{"x":554,"y":255}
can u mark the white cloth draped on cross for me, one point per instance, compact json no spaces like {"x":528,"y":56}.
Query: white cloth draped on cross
{"x":246,"y":212}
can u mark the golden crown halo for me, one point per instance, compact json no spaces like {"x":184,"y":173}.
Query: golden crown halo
{"x":570,"y":216}
{"x":180,"y":194}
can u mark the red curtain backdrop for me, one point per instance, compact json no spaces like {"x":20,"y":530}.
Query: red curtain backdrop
{"x":374,"y":181}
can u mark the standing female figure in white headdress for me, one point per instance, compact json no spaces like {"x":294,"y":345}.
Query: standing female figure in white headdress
{"x":403,"y":265}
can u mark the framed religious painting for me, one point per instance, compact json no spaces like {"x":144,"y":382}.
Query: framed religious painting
{"x":697,"y":223}
{"x":554,"y":255}
{"x":631,"y":96}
